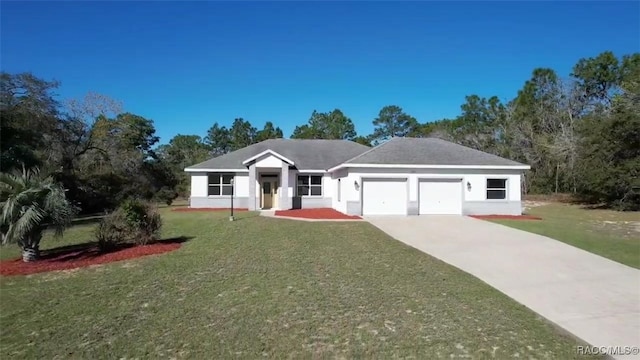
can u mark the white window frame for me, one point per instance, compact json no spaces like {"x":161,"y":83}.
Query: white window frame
{"x":309,"y":176}
{"x":222,"y":184}
{"x":505,"y":188}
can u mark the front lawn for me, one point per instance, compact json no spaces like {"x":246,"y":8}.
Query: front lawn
{"x":611,"y":234}
{"x":274,"y":288}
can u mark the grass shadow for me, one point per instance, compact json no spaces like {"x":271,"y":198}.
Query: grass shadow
{"x":94,"y":219}
{"x":246,"y":215}
{"x":91,"y":249}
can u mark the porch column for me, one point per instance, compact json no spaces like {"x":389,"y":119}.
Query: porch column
{"x":285,"y":202}
{"x":252,"y":187}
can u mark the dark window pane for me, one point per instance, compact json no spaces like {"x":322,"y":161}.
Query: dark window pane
{"x":266,"y":188}
{"x":316,"y":190}
{"x":214,"y":190}
{"x":316,"y":180}
{"x":214,"y":179}
{"x":226,"y":190}
{"x":303,"y":190}
{"x":226,"y":179}
{"x":496,"y":183}
{"x":496,"y":194}
{"x":303,"y":180}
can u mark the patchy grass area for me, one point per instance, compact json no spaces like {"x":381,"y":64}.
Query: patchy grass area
{"x":275,"y":288}
{"x":611,"y":234}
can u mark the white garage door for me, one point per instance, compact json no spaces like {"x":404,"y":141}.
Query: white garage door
{"x":384,"y":197}
{"x":441,"y":196}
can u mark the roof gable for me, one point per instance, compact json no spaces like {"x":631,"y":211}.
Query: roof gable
{"x":267,"y":152}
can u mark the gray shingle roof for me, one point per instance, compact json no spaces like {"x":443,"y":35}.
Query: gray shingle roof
{"x":428,"y":151}
{"x":306,"y":154}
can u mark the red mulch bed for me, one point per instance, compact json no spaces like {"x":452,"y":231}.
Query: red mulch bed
{"x":84,"y":255}
{"x":188,"y":209}
{"x":506,"y":217}
{"x":320,"y":214}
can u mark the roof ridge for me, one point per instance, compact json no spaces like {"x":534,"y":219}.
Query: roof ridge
{"x":368,"y":151}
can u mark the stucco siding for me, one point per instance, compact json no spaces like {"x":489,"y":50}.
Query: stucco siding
{"x":474,"y":199}
{"x":269,"y":161}
{"x":199,"y":184}
{"x":200,"y":192}
{"x":492,"y":208}
{"x":312,"y":202}
{"x":353,"y":208}
{"x":218,"y":202}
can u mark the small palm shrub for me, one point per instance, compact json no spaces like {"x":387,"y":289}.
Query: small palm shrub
{"x":29,"y":204}
{"x":133,"y":222}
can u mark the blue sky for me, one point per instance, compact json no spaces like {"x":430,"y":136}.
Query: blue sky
{"x":188,"y":65}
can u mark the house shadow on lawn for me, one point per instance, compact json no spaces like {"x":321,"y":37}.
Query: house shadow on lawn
{"x":90,"y":249}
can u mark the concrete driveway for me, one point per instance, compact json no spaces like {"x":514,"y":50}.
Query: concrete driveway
{"x":596,"y":299}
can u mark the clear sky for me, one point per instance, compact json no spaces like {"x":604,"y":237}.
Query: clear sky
{"x":188,"y":65}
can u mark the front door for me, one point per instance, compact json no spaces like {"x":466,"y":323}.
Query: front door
{"x":269,"y":193}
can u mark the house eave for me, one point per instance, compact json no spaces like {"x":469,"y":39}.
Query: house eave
{"x":413,"y":166}
{"x":214,"y":170}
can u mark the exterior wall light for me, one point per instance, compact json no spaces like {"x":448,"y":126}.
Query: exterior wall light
{"x":468,"y":186}
{"x":355,"y":185}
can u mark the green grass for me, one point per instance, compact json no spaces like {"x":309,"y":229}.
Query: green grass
{"x":261,"y":287}
{"x":611,"y":234}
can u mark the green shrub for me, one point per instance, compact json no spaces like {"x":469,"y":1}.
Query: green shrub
{"x":166,"y":195}
{"x":112,"y":231}
{"x":134,"y":222}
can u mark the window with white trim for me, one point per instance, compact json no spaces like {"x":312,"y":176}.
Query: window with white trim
{"x":496,"y":189}
{"x":309,"y":185}
{"x":220,"y":184}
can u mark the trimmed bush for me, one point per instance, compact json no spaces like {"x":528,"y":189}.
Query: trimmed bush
{"x":112,"y":231}
{"x":134,"y":222}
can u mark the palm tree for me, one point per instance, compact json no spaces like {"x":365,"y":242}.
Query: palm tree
{"x":29,"y":203}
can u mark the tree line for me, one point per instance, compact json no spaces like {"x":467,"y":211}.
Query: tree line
{"x":580,"y":134}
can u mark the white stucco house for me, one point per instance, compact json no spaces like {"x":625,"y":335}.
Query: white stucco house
{"x":402,"y":176}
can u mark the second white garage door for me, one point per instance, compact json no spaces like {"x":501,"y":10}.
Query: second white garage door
{"x":440,"y":196}
{"x":384,"y":197}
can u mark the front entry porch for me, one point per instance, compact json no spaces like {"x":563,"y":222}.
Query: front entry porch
{"x":269,"y":191}
{"x":269,"y":186}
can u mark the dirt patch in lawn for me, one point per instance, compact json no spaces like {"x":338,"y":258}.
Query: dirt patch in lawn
{"x":84,"y":255}
{"x":506,"y":217}
{"x":187,"y":209}
{"x":623,"y":228}
{"x":319,"y":214}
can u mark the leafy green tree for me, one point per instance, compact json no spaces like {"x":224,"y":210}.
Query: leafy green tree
{"x":268,"y":132}
{"x":598,"y":77}
{"x":29,"y":120}
{"x":30,"y":203}
{"x":305,"y":132}
{"x":218,"y":140}
{"x":476,"y":126}
{"x":182,"y":151}
{"x":609,"y":162}
{"x":392,"y":121}
{"x":364,"y":140}
{"x":609,"y":147}
{"x":241,"y":134}
{"x":334,"y":125}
